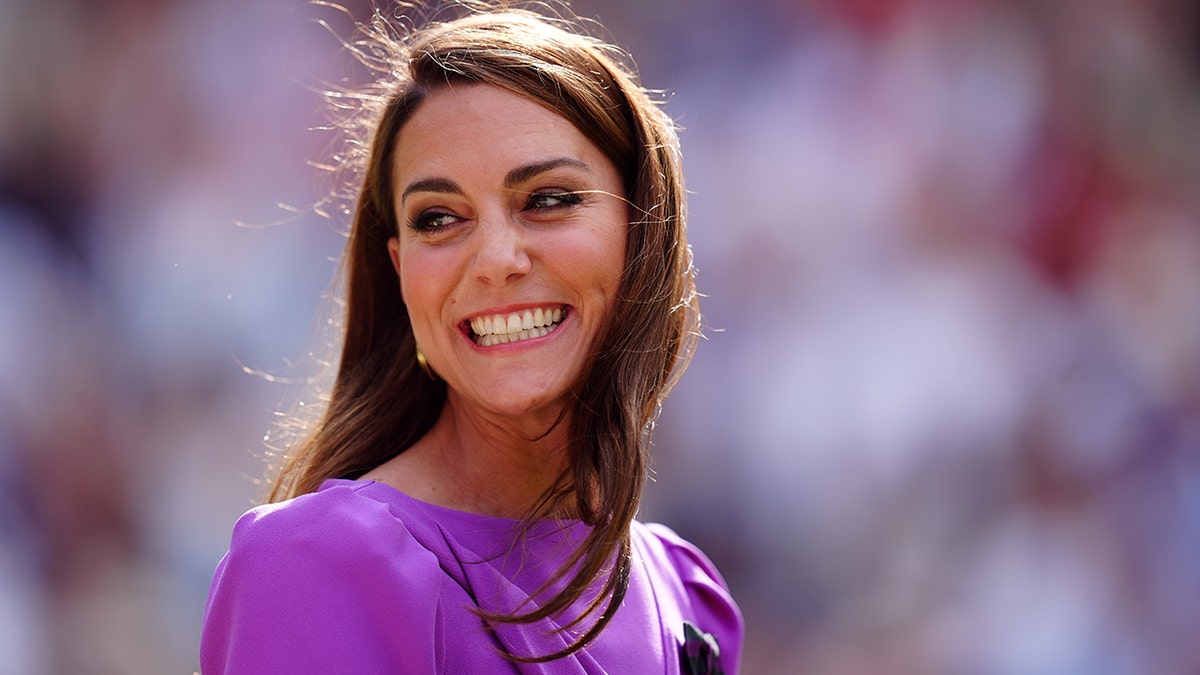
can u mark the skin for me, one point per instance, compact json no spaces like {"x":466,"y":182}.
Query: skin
{"x":503,"y":206}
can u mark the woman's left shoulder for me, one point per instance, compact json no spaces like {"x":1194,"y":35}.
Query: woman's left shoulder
{"x":705,"y":599}
{"x":693,"y":566}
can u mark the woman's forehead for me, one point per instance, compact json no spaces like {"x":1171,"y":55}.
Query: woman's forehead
{"x":480,"y":128}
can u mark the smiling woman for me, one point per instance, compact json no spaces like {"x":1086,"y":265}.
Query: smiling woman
{"x":519,"y":300}
{"x":534,"y":220}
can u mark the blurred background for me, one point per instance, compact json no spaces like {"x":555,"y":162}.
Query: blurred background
{"x":947,"y":417}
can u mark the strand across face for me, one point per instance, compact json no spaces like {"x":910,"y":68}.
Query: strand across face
{"x":510,"y":249}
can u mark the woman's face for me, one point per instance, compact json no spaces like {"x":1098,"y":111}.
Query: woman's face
{"x":511,"y":245}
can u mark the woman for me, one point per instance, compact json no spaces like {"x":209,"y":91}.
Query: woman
{"x":519,"y":299}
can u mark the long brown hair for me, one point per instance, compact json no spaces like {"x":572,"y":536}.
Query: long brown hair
{"x":382,"y":402}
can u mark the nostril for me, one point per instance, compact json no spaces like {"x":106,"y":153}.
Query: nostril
{"x":496,"y":264}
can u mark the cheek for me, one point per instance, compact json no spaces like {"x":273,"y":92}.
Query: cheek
{"x":596,"y":266}
{"x":610,"y":257}
{"x":421,"y":279}
{"x":613,"y":267}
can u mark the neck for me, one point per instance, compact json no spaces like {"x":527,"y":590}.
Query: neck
{"x":471,"y":461}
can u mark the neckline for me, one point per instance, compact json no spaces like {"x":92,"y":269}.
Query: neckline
{"x":455,"y":519}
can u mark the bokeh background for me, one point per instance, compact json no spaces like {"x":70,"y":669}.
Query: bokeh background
{"x":947,"y":416}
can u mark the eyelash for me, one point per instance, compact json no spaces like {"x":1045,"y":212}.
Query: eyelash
{"x":563,"y":199}
{"x":424,"y":222}
{"x":427,"y":222}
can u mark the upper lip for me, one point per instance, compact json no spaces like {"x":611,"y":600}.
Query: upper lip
{"x":508,"y":310}
{"x":512,"y":309}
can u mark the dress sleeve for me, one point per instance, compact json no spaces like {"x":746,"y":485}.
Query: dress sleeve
{"x":326,"y":583}
{"x":712,"y":606}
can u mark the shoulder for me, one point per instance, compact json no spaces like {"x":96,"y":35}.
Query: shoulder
{"x":706,"y":600}
{"x":685,"y":557}
{"x":337,"y":529}
{"x":303,"y":576}
{"x":338,"y":521}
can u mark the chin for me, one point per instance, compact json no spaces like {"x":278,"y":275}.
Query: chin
{"x":514,"y":402}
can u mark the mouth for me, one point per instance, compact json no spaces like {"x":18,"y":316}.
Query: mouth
{"x":499,"y":329}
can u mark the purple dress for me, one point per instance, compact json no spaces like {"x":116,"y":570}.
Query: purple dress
{"x":361,"y":578}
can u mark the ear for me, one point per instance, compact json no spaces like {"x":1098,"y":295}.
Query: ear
{"x":394,"y":254}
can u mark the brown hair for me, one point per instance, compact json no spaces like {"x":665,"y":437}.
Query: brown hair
{"x":382,"y":402}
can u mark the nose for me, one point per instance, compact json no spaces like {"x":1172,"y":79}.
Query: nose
{"x":501,"y":255}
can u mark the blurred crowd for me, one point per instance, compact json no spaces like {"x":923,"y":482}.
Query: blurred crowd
{"x":946,"y":419}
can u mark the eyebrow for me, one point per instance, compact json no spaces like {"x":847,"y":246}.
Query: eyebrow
{"x":511,"y":179}
{"x":523,"y":173}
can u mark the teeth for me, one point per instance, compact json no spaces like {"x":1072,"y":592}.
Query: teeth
{"x":498,"y":329}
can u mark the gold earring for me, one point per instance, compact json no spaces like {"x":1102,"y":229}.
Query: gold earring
{"x":424,"y":363}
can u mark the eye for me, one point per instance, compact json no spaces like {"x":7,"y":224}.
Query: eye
{"x":552,"y":199}
{"x":430,"y":222}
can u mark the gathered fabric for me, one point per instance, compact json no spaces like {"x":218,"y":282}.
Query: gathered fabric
{"x":359,"y":577}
